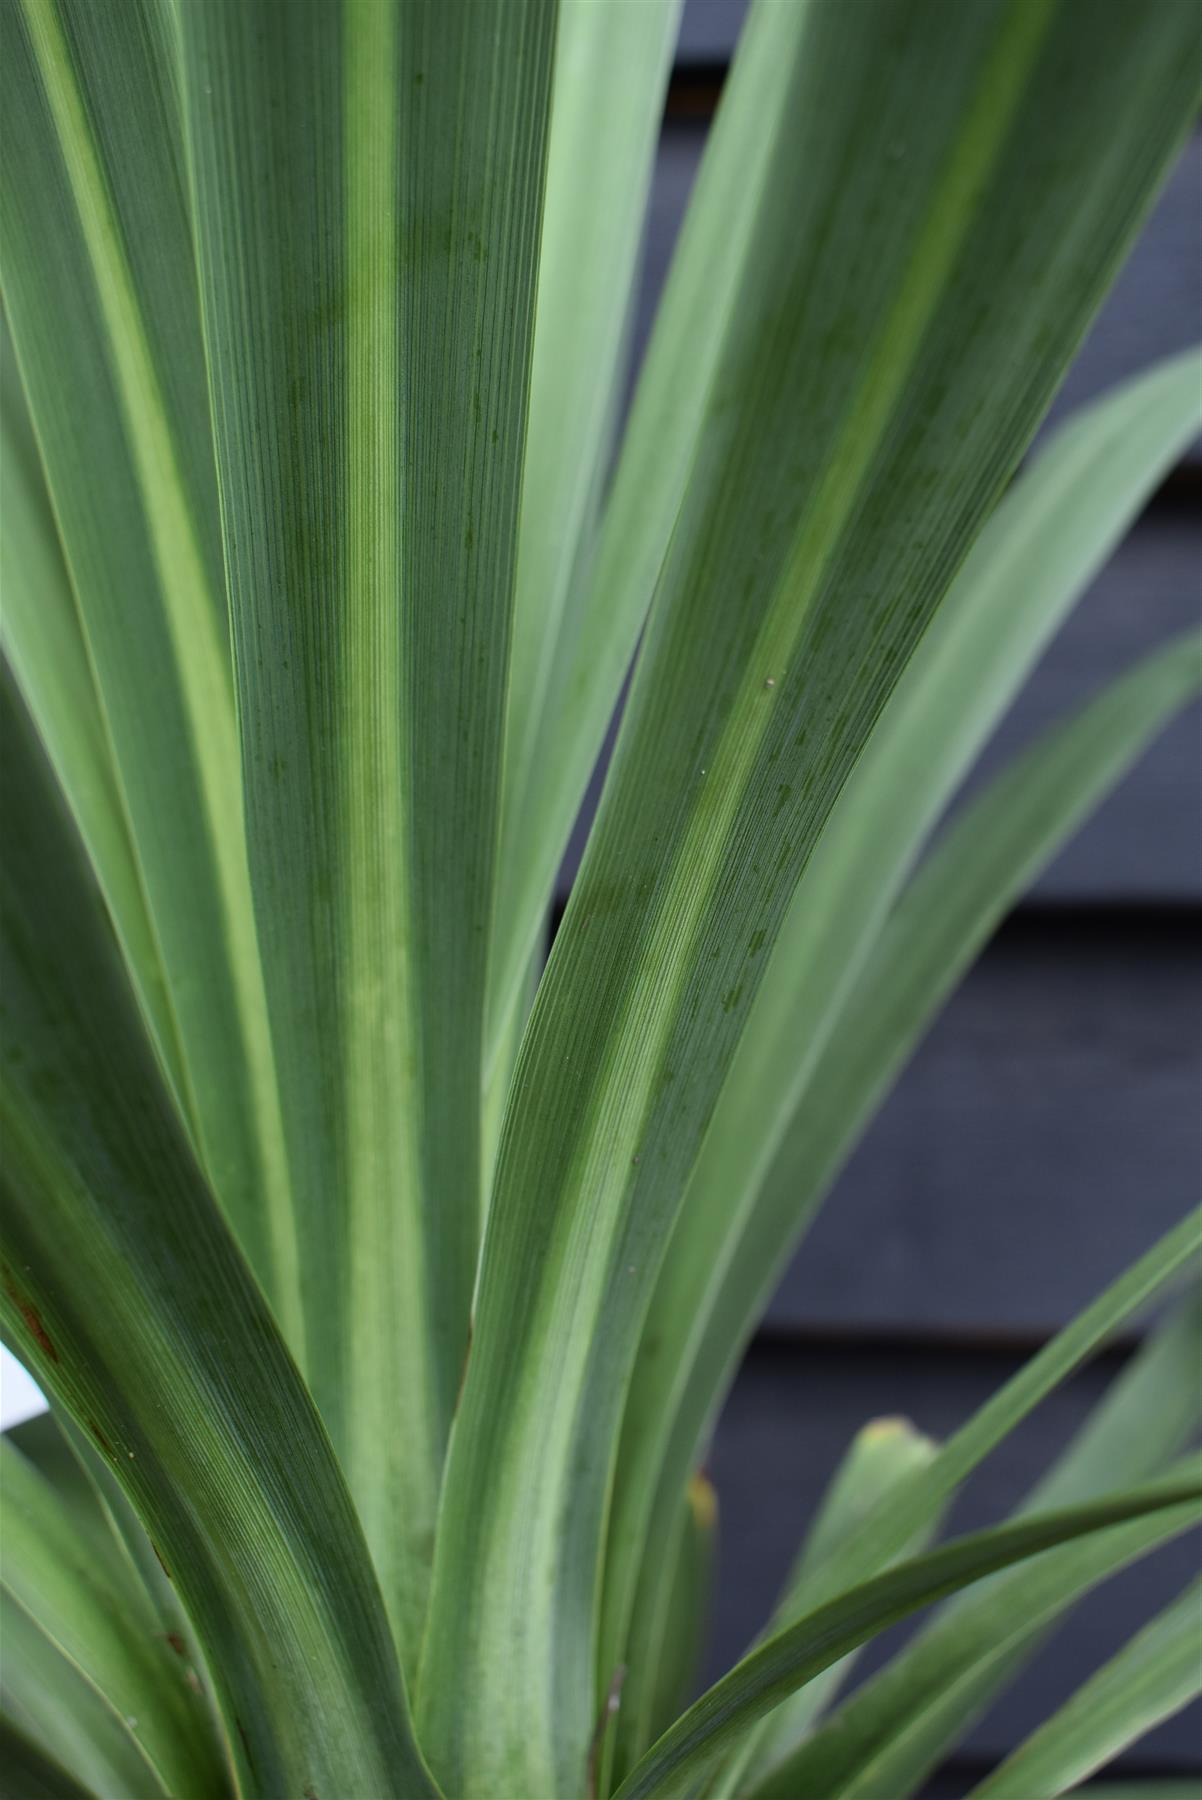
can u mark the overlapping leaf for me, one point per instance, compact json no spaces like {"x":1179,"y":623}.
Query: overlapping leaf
{"x":368,"y":293}
{"x":615,"y":575}
{"x":100,"y":291}
{"x":803,"y":568}
{"x":30,"y":1772}
{"x":819,"y":1048}
{"x":794,"y":1656}
{"x":1150,"y":1678}
{"x":611,"y":68}
{"x":108,"y":1633}
{"x":124,"y":1292}
{"x":880,"y":1455}
{"x":891,"y":1734}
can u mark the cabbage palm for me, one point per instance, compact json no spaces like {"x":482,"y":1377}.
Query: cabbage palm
{"x":385,"y":1285}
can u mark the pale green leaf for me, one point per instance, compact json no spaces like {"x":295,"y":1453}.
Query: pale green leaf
{"x":803,"y":569}
{"x":1150,"y":1679}
{"x":30,"y":1773}
{"x":891,"y":1734}
{"x":598,"y":634}
{"x":100,"y":292}
{"x":43,"y":639}
{"x":368,"y":291}
{"x":109,"y":1633}
{"x":60,"y":1712}
{"x":611,"y":69}
{"x":879,"y":1456}
{"x":829,"y":1631}
{"x":709,"y":1295}
{"x":663,"y":1664}
{"x":126,"y":1296}
{"x":741,"y":1214}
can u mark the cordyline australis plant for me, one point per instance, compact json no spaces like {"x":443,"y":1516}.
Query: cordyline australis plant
{"x":385,"y":1288}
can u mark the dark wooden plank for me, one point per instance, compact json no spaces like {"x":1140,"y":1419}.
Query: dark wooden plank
{"x":709,"y":30}
{"x":789,"y":1419}
{"x":1044,"y":1135}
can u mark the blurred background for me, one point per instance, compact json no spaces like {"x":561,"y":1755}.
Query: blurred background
{"x":1050,"y":1127}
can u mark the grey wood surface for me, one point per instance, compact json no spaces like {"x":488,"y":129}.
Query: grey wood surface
{"x":1144,"y":845}
{"x":1045,"y":1133}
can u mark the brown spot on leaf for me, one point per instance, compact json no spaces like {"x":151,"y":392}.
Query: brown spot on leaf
{"x":29,"y":1313}
{"x":96,"y":1432}
{"x":176,"y":1641}
{"x":245,"y":1742}
{"x":158,"y":1558}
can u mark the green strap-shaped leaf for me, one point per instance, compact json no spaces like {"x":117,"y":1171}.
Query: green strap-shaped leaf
{"x":110,"y":1634}
{"x":611,"y":68}
{"x":100,"y":289}
{"x":43,"y":639}
{"x":368,"y":184}
{"x":907,"y":1721}
{"x":103,"y":1517}
{"x":898,"y":1727}
{"x":123,"y":1291}
{"x":59,"y":1710}
{"x":740,"y":1218}
{"x":984,"y":862}
{"x":43,"y":1443}
{"x":882,"y":1453}
{"x":30,"y":1773}
{"x":794,"y":1656}
{"x":599,"y":631}
{"x":871,"y":398}
{"x":656,"y":1682}
{"x":1152,"y":1677}
{"x":136,"y":1556}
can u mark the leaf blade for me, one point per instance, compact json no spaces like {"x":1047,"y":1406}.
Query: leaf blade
{"x":1052,"y":531}
{"x":101,"y":298}
{"x":611,"y":71}
{"x":895,"y":1730}
{"x":781,"y":1665}
{"x":601,"y":1134}
{"x":1157,"y":1673}
{"x":880,"y":1455}
{"x":371,"y":630}
{"x":128,"y":1299}
{"x":108,"y":1634}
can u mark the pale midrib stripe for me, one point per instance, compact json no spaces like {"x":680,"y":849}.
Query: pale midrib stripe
{"x":887,"y":370}
{"x":671,"y":951}
{"x":201,"y":655}
{"x":682,"y":910}
{"x":384,"y":1296}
